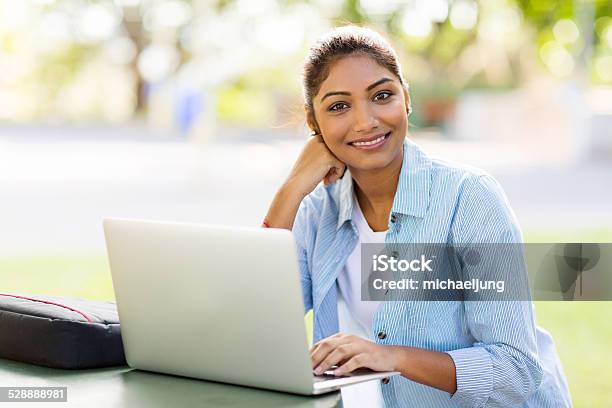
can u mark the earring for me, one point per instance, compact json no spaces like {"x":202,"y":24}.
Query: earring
{"x":409,"y":110}
{"x":314,"y":133}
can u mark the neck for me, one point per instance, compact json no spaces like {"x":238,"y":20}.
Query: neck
{"x":375,"y":191}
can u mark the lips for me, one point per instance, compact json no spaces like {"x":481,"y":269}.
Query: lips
{"x":374,"y":140}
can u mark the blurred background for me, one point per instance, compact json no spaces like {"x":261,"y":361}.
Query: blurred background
{"x":192,"y":111}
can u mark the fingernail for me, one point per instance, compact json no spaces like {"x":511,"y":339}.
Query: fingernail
{"x":318,"y":371}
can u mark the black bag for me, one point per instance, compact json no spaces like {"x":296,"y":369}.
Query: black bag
{"x":60,"y":332}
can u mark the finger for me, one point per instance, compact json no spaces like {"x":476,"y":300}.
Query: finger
{"x":332,"y":179}
{"x":323,"y":350}
{"x":334,"y":174}
{"x":342,"y":353}
{"x":333,"y":336}
{"x":328,"y":177}
{"x":358,"y":361}
{"x":338,"y":167}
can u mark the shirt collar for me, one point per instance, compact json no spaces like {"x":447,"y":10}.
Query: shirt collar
{"x":412,"y":195}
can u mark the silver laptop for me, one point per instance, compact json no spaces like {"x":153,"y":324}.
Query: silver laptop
{"x":215,"y":303}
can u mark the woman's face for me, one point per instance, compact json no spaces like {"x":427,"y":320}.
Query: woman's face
{"x":360,"y":111}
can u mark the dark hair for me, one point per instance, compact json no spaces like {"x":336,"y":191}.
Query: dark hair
{"x":341,"y":42}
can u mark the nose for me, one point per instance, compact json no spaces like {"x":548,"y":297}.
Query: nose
{"x":365,"y":121}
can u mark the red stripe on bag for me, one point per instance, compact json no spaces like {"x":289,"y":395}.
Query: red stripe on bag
{"x":51,"y":303}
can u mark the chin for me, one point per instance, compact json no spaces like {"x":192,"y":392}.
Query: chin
{"x":370,"y":164}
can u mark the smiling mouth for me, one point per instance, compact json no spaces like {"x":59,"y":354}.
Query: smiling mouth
{"x":371,"y":142}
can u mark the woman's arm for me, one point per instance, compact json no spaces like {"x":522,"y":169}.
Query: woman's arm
{"x":284,"y":207}
{"x":501,"y":366}
{"x":432,"y":368}
{"x":314,"y":164}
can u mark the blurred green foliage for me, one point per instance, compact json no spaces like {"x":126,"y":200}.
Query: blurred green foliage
{"x":441,"y":62}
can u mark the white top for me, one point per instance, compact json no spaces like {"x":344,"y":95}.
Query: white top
{"x":354,"y":315}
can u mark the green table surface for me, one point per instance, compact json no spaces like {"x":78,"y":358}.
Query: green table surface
{"x":126,"y":387}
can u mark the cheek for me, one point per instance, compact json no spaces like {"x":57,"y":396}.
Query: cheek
{"x":335,"y":130}
{"x":393,"y":114}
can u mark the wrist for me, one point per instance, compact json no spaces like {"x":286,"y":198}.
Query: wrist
{"x":399,"y":356}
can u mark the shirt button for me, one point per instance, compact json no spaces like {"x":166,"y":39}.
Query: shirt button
{"x":393,"y":218}
{"x":382,"y":335}
{"x":395,"y":254}
{"x":385,"y":380}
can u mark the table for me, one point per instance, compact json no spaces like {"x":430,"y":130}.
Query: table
{"x":126,"y":387}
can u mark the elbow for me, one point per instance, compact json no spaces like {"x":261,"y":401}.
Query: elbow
{"x":530,"y":373}
{"x":519,"y":375}
{"x":535,"y":375}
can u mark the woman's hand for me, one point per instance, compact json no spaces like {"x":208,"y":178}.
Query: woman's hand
{"x":315,"y":163}
{"x":349,"y":353}
{"x":433,"y":368}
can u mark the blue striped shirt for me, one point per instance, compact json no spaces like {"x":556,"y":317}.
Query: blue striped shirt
{"x":502,"y":359}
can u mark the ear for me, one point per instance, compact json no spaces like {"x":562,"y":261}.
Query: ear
{"x":310,"y":120}
{"x":407,"y":98}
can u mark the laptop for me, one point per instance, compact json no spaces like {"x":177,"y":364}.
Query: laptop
{"x":215,"y":303}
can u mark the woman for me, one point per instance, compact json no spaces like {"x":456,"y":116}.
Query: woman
{"x":380,"y":187}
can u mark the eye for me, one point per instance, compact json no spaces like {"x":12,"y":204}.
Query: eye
{"x":336,"y":107}
{"x":381,"y":96}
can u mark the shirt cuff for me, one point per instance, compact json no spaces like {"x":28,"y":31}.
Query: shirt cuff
{"x":474,"y":371}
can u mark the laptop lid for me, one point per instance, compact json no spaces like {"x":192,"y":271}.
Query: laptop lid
{"x":210,"y":302}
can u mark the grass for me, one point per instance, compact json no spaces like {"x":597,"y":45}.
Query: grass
{"x":80,"y":275}
{"x":583,"y":335}
{"x":582,"y":330}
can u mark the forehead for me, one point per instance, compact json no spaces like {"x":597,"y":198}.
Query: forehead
{"x":353,"y":74}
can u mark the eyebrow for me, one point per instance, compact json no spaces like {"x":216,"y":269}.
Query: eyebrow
{"x":369,"y":88}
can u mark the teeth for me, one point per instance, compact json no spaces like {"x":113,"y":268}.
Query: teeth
{"x":380,"y":139}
